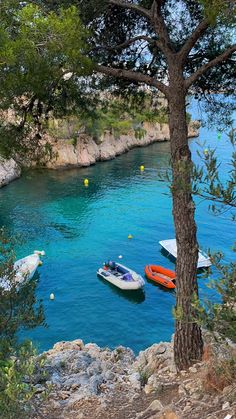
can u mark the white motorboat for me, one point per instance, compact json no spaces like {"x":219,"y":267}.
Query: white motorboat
{"x":24,"y":270}
{"x":121,"y":276}
{"x":171,"y":247}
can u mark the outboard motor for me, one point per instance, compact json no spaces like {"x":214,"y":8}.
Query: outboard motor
{"x":110,"y":264}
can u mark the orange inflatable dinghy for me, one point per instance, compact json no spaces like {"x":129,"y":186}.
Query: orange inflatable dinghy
{"x":160,"y":275}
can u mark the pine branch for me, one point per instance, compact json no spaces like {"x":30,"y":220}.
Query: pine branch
{"x":133,"y":76}
{"x":128,"y":43}
{"x":213,"y":63}
{"x":191,"y":41}
{"x":131,"y":6}
{"x":164,"y":41}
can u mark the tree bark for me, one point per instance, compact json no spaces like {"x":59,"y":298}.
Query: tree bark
{"x":188,"y":344}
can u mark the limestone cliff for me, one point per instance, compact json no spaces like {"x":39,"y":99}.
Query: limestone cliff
{"x":9,"y":171}
{"x":86,"y":151}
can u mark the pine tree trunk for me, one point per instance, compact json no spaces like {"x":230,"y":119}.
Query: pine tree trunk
{"x":188,"y":344}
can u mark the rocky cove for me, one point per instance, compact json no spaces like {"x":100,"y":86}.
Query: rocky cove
{"x":87,"y":381}
{"x":85,"y":151}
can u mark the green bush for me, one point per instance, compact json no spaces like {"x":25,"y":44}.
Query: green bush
{"x":18,"y":310}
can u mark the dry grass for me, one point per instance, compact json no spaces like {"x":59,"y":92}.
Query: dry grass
{"x":220,"y":373}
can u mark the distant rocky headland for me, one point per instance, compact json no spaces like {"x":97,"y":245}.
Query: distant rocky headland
{"x":85,"y":151}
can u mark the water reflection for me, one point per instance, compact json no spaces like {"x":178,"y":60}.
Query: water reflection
{"x":160,"y":287}
{"x":134,"y":297}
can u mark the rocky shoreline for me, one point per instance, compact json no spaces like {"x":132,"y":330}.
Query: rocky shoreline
{"x":91,"y":382}
{"x":85,"y":151}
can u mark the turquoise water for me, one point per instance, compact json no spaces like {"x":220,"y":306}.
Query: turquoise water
{"x":79,"y":228}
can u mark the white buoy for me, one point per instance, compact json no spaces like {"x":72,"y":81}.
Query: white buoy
{"x":120,"y":257}
{"x":52,"y":296}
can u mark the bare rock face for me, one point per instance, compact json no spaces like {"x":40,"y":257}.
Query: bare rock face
{"x":66,"y":154}
{"x":9,"y":171}
{"x":85,"y":151}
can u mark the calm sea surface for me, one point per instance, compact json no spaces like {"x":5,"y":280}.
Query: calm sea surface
{"x":80,"y":228}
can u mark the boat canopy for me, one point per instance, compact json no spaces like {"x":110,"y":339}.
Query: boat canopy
{"x":171,"y":247}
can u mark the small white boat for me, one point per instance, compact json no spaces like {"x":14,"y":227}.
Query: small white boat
{"x":171,"y":247}
{"x":24,"y":269}
{"x":121,"y":276}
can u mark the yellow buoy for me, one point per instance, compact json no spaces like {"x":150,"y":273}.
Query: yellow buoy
{"x":52,"y":296}
{"x":130,"y":236}
{"x":142,"y":168}
{"x":86,"y":182}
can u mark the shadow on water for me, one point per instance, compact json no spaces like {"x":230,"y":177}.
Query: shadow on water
{"x":165,"y":253}
{"x":160,"y":287}
{"x":135,"y":297}
{"x":201,"y":272}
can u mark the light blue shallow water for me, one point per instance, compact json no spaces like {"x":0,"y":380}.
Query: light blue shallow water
{"x":79,"y":228}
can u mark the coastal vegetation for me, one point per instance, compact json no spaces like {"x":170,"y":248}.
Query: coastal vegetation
{"x":19,"y":310}
{"x":115,"y":115}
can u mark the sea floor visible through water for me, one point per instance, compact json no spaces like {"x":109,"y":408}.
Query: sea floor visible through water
{"x":81,"y":227}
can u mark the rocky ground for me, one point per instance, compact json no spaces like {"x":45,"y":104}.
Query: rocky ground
{"x":86,"y":381}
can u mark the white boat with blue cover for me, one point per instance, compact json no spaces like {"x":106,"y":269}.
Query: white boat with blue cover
{"x":24,"y":269}
{"x":121,"y":276}
{"x":171,"y":247}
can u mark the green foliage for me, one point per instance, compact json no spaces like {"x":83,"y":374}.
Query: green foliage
{"x":41,"y":56}
{"x":219,"y":9}
{"x":220,"y":318}
{"x":113,"y":114}
{"x":19,"y":308}
{"x":16,"y":382}
{"x":39,"y":50}
{"x":144,"y":374}
{"x":207,"y":182}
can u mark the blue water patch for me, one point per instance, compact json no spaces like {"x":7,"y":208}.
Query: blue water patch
{"x":80,"y":228}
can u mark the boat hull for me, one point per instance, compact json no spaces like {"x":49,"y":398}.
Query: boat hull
{"x":24,"y":269}
{"x":108,"y":276}
{"x":160,"y":275}
{"x":170,"y":246}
